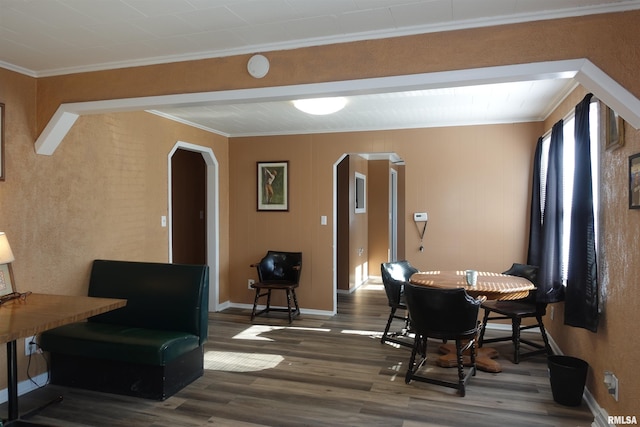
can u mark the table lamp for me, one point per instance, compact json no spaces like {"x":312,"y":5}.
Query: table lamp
{"x":6,"y":257}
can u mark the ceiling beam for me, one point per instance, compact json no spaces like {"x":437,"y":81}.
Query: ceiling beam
{"x":582,"y":70}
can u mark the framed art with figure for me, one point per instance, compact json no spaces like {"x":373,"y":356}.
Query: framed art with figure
{"x":634,"y":181}
{"x":273,"y":186}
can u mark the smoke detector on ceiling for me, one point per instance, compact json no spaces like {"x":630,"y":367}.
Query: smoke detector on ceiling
{"x":258,"y":66}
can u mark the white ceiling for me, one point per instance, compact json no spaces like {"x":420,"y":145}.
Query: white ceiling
{"x":51,"y":37}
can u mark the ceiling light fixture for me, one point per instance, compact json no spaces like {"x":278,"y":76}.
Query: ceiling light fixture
{"x":320,"y":106}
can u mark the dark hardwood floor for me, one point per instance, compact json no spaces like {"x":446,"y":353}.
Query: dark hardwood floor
{"x":322,"y":371}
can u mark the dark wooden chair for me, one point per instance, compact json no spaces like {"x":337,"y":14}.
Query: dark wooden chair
{"x":278,"y":271}
{"x":394,"y":276}
{"x":516,"y":311}
{"x":446,"y":314}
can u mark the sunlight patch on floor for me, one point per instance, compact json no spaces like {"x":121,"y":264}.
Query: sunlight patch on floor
{"x":229,"y":361}
{"x":300,"y":328}
{"x":253,"y":331}
{"x":375,"y":334}
{"x":372,"y":286}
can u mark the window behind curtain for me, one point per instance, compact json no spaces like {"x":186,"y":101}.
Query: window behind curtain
{"x":569,"y":165}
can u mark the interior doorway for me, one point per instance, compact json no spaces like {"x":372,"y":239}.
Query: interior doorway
{"x":365,"y":238}
{"x":211,"y":214}
{"x":188,"y":207}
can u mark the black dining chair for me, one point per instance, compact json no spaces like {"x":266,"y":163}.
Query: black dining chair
{"x":516,"y":311}
{"x":278,"y":271}
{"x":394,"y":276}
{"x":449,"y":314}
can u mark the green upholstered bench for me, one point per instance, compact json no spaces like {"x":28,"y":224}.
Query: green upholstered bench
{"x":150,"y":348}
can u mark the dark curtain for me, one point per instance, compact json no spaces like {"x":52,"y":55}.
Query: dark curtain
{"x":581,"y":302}
{"x":535,"y":225}
{"x":549,"y":256}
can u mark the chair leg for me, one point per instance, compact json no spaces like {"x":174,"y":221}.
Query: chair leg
{"x":266,"y":309}
{"x":412,"y":360}
{"x":472,"y":349}
{"x":386,"y":329}
{"x":483,"y":327}
{"x":460,"y":367}
{"x":515,"y":326}
{"x":295,"y":302}
{"x":424,"y":349}
{"x":255,"y":304}
{"x":289,"y":305}
{"x":547,"y":346}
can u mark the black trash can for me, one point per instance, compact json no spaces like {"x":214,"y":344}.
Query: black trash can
{"x":568,"y":376}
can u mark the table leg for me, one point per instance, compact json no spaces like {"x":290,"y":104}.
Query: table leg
{"x":13,"y":410}
{"x":12,"y":381}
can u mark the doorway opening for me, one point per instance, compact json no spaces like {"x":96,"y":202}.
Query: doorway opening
{"x":211,"y":214}
{"x":365,"y":238}
{"x":188,"y":207}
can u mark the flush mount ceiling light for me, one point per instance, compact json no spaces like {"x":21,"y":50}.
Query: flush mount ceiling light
{"x":320,"y":106}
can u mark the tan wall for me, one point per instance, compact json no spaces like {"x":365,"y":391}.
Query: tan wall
{"x":378,"y":200}
{"x":18,"y":202}
{"x":473,"y":181}
{"x":358,"y":225}
{"x":100,"y":196}
{"x":378,"y":220}
{"x":612,"y":348}
{"x":37,"y":204}
{"x":616,"y":37}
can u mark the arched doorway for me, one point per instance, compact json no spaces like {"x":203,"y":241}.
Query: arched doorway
{"x":211,"y":215}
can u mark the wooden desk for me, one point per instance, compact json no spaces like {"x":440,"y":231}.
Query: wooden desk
{"x":495,"y":286}
{"x":38,"y":313}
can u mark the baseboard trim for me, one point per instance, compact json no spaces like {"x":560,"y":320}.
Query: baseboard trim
{"x":26,"y":386}
{"x":600,"y":416}
{"x":302,"y":310}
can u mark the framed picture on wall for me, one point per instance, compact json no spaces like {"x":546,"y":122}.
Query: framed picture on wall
{"x":634,"y":181}
{"x":2,"y":142}
{"x":273,"y":186}
{"x":614,"y":129}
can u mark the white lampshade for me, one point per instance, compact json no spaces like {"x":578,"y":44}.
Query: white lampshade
{"x":6,"y":255}
{"x":320,"y":106}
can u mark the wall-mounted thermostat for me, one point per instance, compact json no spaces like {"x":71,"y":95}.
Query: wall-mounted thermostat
{"x":420,"y":217}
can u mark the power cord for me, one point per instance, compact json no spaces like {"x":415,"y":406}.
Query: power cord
{"x":40,"y":352}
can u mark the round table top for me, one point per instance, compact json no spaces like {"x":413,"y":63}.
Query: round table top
{"x":495,"y":286}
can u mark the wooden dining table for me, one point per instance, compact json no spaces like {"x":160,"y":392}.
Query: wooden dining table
{"x":489,"y":285}
{"x":35,"y":313}
{"x":493,"y":286}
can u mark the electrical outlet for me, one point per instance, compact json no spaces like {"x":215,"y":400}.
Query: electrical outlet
{"x":249,"y":283}
{"x":551,"y":312}
{"x":30,"y":346}
{"x":611,"y":381}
